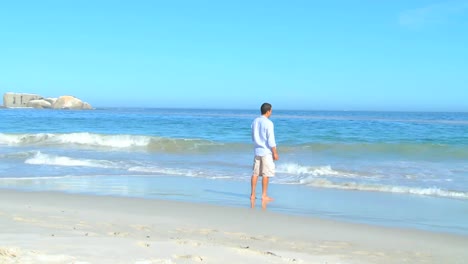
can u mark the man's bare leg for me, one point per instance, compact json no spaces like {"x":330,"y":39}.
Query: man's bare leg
{"x":265,"y":189}
{"x":254,"y":186}
{"x":252,"y":202}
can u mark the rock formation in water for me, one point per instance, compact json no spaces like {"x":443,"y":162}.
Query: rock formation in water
{"x":15,"y":100}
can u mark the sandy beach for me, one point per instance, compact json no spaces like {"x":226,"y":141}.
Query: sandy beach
{"x":41,"y":227}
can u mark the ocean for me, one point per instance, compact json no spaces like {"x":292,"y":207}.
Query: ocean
{"x":403,"y":169}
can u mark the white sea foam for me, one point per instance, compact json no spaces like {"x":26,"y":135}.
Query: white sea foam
{"x":324,"y":183}
{"x":85,"y":139}
{"x":206,"y":173}
{"x":166,"y":171}
{"x":322,"y":176}
{"x":300,"y":170}
{"x":114,"y":141}
{"x":8,"y":139}
{"x":109,"y":141}
{"x":46,"y":159}
{"x":39,"y":158}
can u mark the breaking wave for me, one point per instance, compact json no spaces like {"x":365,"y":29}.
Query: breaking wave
{"x":287,"y":173}
{"x":167,"y":171}
{"x":46,"y":159}
{"x":327,"y":177}
{"x":293,"y":169}
{"x":324,"y":183}
{"x":40,"y":158}
{"x":101,"y":141}
{"x":193,"y":145}
{"x":87,"y":139}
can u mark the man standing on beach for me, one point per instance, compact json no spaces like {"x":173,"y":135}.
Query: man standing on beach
{"x":263,"y":137}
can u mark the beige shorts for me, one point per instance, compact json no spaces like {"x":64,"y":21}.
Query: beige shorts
{"x":264,"y":166}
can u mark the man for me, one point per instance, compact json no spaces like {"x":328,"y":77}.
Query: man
{"x":263,"y":137}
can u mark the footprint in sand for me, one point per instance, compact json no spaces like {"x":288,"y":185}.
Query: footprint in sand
{"x":118,"y":234}
{"x":243,"y":250}
{"x":15,"y":255}
{"x":155,"y":261}
{"x":24,"y":220}
{"x":362,"y":253}
{"x":141,"y":227}
{"x":82,"y":224}
{"x":144,"y":244}
{"x":251,"y":238}
{"x":189,"y":242}
{"x":207,"y":231}
{"x":45,"y":258}
{"x":189,"y":257}
{"x":286,"y":259}
{"x":334,"y":245}
{"x":9,"y":253}
{"x":422,"y":255}
{"x":182,"y":230}
{"x":91,"y":234}
{"x":235,"y":234}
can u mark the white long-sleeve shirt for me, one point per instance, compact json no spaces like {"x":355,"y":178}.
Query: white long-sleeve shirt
{"x":263,"y":136}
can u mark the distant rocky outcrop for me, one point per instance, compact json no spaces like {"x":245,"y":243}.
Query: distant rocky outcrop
{"x":70,"y":102}
{"x":18,"y":99}
{"x":14,"y":100}
{"x":40,"y":103}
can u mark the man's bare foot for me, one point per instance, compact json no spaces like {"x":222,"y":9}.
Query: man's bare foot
{"x":267,"y":198}
{"x":264,"y":204}
{"x":252,"y":202}
{"x":252,"y":197}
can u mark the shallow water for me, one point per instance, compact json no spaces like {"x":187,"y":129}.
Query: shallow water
{"x":391,"y":168}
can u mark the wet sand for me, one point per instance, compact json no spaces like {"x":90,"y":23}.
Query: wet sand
{"x":45,"y":227}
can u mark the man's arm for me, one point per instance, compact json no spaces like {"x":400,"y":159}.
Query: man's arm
{"x":271,"y":141}
{"x":275,"y":153}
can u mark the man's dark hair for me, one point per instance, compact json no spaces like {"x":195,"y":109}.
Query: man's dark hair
{"x":265,"y":108}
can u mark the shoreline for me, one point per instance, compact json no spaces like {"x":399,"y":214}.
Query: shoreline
{"x":375,"y":208}
{"x":75,"y":228}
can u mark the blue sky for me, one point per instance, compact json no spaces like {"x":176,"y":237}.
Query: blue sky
{"x":319,"y":55}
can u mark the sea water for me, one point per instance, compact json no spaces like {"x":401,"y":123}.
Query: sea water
{"x":388,"y":168}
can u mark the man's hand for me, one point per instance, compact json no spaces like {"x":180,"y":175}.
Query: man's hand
{"x":275,"y":156}
{"x":275,"y":153}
